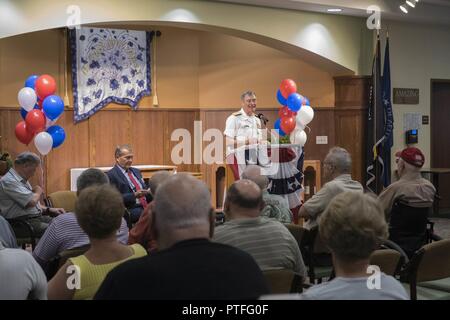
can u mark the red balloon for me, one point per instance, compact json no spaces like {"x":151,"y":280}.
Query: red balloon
{"x":35,"y":121}
{"x":45,"y":86}
{"x":285,"y":112}
{"x":22,"y":134}
{"x":287,"y":124}
{"x":287,"y":87}
{"x":39,"y":103}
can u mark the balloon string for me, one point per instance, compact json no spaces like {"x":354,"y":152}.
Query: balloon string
{"x":42,"y":177}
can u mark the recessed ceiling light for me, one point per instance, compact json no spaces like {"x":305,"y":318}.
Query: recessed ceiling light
{"x":403,"y":9}
{"x":409,"y":3}
{"x":334,"y":10}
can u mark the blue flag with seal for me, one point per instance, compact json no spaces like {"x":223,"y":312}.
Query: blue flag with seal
{"x":388,"y":116}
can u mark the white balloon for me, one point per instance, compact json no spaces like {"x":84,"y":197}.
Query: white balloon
{"x":298,"y":137}
{"x":43,"y":142}
{"x":304,"y":116}
{"x":27,"y":98}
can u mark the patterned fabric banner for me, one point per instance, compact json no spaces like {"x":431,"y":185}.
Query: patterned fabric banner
{"x":108,"y":65}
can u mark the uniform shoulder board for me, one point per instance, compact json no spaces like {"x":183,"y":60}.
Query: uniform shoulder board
{"x":237,"y":113}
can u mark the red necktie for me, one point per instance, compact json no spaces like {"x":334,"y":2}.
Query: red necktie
{"x":142,"y":200}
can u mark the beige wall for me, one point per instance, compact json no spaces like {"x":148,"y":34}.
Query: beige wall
{"x":193,"y":69}
{"x":229,"y":66}
{"x":418,"y":53}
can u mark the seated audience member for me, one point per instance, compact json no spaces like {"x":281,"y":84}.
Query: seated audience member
{"x":353,"y":226}
{"x":129,"y":182}
{"x":269,"y":242}
{"x":7,"y":237}
{"x":20,"y":276}
{"x":275,"y":206}
{"x":99,"y":210}
{"x":64,"y":232}
{"x":337,"y":167}
{"x":140,"y":233}
{"x":18,"y":200}
{"x":187,"y":264}
{"x":411,"y":188}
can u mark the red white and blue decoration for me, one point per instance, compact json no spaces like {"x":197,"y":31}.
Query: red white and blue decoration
{"x":40,"y":108}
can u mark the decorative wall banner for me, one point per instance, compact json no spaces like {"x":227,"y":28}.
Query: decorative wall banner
{"x":406,"y":96}
{"x":108,"y":65}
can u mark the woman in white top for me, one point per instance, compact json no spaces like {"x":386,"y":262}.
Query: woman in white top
{"x":353,"y":226}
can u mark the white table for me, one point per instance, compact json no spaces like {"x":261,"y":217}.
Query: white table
{"x":146,"y":170}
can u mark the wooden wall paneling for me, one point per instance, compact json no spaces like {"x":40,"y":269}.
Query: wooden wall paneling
{"x":181,"y":120}
{"x":350,"y":133}
{"x":214,"y":119}
{"x":73,"y":153}
{"x":9,"y":117}
{"x":147,"y":136}
{"x":322,"y":125}
{"x":107,"y":130}
{"x":351,"y":91}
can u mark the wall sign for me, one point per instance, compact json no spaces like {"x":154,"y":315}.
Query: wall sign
{"x":406,"y":96}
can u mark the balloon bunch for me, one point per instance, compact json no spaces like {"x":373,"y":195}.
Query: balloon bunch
{"x":40,"y":108}
{"x":295,"y":114}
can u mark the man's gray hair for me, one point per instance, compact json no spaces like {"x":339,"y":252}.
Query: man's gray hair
{"x":157,"y":179}
{"x":253,"y":173}
{"x":247,"y":93}
{"x":27,"y":157}
{"x":120,"y":148}
{"x":91,"y":177}
{"x":182,"y":202}
{"x":340,"y":159}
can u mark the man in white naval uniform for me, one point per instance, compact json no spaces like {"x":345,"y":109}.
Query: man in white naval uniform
{"x":244,"y":128}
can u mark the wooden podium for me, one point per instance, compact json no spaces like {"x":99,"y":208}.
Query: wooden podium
{"x":222,"y":177}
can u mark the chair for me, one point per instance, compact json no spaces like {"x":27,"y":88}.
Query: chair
{"x":282,"y":281}
{"x":409,"y":227}
{"x":297,"y":231}
{"x":57,"y":262}
{"x":387,"y":260}
{"x":24,"y":232}
{"x":317,"y":256}
{"x":428,"y":272}
{"x":63,"y":199}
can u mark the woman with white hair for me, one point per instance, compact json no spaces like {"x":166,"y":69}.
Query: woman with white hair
{"x":352,"y":227}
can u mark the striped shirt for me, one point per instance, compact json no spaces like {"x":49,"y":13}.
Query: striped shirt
{"x":65,"y":233}
{"x":269,"y":242}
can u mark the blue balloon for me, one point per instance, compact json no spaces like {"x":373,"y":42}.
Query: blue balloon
{"x":280,"y":98}
{"x":31,"y":81}
{"x":58,"y":135}
{"x":294,"y":102}
{"x":24,"y":112}
{"x":53,"y":106}
{"x":276,"y":125}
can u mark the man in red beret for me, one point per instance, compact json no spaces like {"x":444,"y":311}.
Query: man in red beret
{"x":411,"y":188}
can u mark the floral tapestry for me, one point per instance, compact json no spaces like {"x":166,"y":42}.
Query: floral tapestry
{"x":109,"y":65}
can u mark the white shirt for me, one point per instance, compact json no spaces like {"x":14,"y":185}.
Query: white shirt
{"x":240,"y":126}
{"x":20,"y":276}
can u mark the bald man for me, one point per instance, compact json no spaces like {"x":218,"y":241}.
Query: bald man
{"x":187,"y":265}
{"x":269,"y":242}
{"x":275,"y":207}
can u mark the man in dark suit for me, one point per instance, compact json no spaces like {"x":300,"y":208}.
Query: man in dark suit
{"x":129,"y":182}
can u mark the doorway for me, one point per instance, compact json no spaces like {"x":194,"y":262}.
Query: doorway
{"x":440,"y":138}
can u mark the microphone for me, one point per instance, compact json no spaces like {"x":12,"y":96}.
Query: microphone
{"x":262,"y":117}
